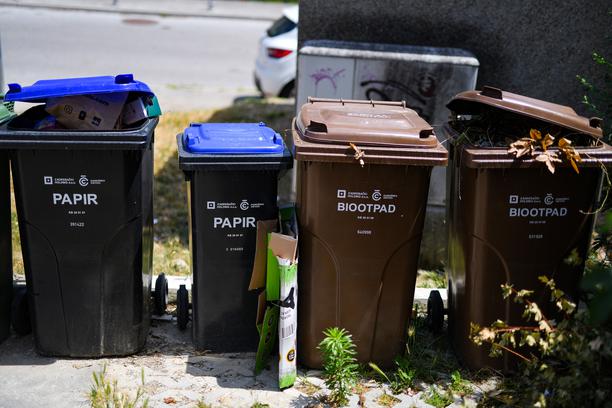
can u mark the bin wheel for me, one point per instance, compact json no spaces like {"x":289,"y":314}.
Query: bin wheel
{"x":160,"y":296}
{"x":435,"y":311}
{"x":182,"y":307}
{"x":20,"y":311}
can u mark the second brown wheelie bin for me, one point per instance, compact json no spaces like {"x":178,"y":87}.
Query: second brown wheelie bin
{"x":363,"y":177}
{"x":512,"y":220}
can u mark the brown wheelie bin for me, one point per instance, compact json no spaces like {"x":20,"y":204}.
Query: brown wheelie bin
{"x":363,"y":177}
{"x":512,"y":220}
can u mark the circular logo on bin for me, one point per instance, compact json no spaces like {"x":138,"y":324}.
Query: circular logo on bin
{"x":291,"y":355}
{"x":548,"y":200}
{"x":68,"y":109}
{"x":83,"y":181}
{"x":376,"y":196}
{"x":244,"y":205}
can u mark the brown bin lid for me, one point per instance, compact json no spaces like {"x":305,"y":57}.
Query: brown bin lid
{"x":472,"y":102}
{"x":363,"y":122}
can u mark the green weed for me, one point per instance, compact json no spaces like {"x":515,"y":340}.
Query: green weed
{"x":339,"y":364}
{"x":458,"y":385}
{"x":438,"y":399}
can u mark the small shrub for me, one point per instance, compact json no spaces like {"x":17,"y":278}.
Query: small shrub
{"x":569,"y":362}
{"x":598,"y":97}
{"x":339,"y":364}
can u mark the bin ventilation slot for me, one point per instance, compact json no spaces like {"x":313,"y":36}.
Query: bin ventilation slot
{"x":124,"y":79}
{"x":491,"y":92}
{"x":425,"y":133}
{"x":317,"y":127}
{"x":595,"y":122}
{"x":14,"y":88}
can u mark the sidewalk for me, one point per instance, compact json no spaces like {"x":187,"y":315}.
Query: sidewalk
{"x":249,"y":10}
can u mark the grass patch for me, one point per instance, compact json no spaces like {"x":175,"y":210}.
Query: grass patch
{"x":387,"y":400}
{"x":428,"y":359}
{"x":431,"y":279}
{"x":438,"y":399}
{"x":458,"y":385}
{"x":18,"y":269}
{"x":105,"y":393}
{"x":307,"y":387}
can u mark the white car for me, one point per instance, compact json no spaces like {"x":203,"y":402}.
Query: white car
{"x":277,"y":58}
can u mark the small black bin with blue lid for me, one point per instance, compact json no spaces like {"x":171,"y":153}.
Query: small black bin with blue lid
{"x":85,"y":211}
{"x":232,"y":171}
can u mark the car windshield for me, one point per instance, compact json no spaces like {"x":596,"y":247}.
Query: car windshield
{"x":281,"y":26}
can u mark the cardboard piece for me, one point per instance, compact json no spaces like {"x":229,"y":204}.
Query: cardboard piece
{"x":275,"y":271}
{"x":88,"y":112}
{"x":287,"y":325}
{"x":139,"y":109}
{"x":258,"y":276}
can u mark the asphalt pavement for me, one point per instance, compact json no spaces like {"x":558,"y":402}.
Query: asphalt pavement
{"x":250,"y":10}
{"x":189,"y":62}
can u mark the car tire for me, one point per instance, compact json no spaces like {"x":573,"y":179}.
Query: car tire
{"x":160,"y":295}
{"x":288,"y":90}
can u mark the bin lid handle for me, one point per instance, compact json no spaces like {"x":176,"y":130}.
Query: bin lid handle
{"x":492,"y":92}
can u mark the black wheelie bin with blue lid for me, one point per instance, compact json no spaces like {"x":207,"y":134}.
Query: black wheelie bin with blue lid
{"x":232,"y":171}
{"x":85,"y":211}
{"x":6,"y":267}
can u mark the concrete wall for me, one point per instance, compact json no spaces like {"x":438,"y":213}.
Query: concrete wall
{"x":535,"y":47}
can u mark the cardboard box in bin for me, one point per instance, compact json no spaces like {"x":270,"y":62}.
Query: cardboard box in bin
{"x":275,"y":271}
{"x":88,"y":112}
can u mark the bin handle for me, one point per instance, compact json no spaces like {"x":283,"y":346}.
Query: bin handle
{"x":359,"y":154}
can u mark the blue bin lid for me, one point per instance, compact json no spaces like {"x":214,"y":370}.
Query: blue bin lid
{"x":232,"y":138}
{"x":42,"y":90}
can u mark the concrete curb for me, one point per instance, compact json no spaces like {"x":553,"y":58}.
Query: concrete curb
{"x":420,"y":294}
{"x":157,"y":13}
{"x":174,"y":282}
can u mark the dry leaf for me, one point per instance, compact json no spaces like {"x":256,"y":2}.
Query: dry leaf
{"x":547,"y":141}
{"x":549,"y":158}
{"x":535,"y":134}
{"x":570,"y":153}
{"x":521,"y":147}
{"x":169,"y":400}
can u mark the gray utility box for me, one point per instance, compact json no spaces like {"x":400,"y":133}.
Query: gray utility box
{"x":425,"y":77}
